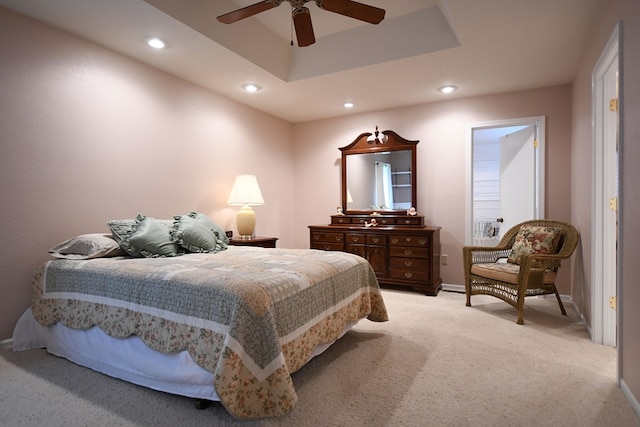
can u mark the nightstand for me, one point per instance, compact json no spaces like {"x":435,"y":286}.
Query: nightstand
{"x":261,"y":242}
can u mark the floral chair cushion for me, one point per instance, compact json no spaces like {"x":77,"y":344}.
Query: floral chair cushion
{"x":534,"y":239}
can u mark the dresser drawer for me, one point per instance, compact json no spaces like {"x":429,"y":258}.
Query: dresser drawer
{"x":406,"y":240}
{"x":327,"y":246}
{"x":356,"y":249}
{"x":340,"y":220}
{"x":327,"y":237}
{"x":376,"y":239}
{"x":408,"y":251}
{"x":415,"y":276}
{"x":409,"y":221}
{"x":355,"y":238}
{"x":412,"y":264}
{"x":385,"y":221}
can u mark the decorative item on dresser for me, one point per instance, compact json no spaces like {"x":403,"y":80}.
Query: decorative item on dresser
{"x":259,"y":242}
{"x":385,"y":228}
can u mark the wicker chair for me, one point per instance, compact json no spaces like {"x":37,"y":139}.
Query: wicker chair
{"x":486,"y":272}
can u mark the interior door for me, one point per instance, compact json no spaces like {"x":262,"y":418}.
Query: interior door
{"x":517,"y":188}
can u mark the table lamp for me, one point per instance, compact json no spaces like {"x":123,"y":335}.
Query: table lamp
{"x":246,"y":193}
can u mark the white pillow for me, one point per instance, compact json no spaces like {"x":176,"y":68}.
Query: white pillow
{"x":87,"y":246}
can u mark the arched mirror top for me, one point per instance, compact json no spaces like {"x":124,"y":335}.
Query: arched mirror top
{"x":379,"y":173}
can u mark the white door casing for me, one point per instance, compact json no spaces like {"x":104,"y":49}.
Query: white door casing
{"x":604,"y":254}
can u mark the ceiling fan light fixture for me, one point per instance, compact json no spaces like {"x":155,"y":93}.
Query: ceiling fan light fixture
{"x":251,"y":88}
{"x":156,"y":42}
{"x":447,"y":89}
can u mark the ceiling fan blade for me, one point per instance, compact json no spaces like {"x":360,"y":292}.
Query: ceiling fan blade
{"x":248,"y":11}
{"x":353,"y":9}
{"x":303,"y":26}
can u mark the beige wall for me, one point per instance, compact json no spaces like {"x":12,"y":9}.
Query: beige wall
{"x":441,"y":128}
{"x":88,"y":135}
{"x":626,"y":12}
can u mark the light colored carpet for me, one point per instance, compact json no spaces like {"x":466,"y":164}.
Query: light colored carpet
{"x":435,"y":363}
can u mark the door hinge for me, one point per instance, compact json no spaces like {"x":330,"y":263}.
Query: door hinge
{"x":613,"y":303}
{"x":613,"y":105}
{"x":535,"y":143}
{"x":613,"y":204}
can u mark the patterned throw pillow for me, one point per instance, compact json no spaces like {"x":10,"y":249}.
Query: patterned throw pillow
{"x":534,"y":239}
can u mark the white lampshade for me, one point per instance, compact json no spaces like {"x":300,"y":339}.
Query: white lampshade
{"x":246,"y":193}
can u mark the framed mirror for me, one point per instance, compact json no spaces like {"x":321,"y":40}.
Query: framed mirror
{"x":379,"y":173}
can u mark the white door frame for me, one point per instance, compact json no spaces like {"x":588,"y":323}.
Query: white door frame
{"x":604,"y":254}
{"x":538,"y":121}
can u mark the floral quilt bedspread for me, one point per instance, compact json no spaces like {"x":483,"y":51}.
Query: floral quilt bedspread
{"x":252,"y":316}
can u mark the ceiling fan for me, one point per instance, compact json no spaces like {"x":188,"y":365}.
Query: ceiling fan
{"x":302,"y":16}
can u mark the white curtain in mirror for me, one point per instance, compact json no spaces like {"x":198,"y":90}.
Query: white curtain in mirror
{"x":384,"y":189}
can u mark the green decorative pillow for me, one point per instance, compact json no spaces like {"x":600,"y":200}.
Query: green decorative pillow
{"x":193,"y":235}
{"x":223,"y":240}
{"x":198,"y":233}
{"x":88,"y":246}
{"x":144,"y":236}
{"x":533,"y":239}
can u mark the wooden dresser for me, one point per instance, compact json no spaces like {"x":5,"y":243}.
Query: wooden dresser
{"x":400,"y":248}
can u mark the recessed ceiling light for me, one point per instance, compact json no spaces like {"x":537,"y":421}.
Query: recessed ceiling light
{"x":156,"y":43}
{"x":348,"y":105}
{"x":447,"y":89}
{"x":251,"y":87}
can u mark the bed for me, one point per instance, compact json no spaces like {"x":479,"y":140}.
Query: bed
{"x":229,"y":326}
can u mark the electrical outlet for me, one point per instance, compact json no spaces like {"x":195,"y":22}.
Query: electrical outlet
{"x":445,"y":259}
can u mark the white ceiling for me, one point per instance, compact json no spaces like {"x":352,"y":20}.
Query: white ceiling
{"x":482,"y":46}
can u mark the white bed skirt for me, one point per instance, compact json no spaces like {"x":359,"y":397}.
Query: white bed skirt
{"x":128,"y":358}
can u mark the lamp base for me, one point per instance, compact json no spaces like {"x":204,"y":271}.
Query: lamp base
{"x":246,"y":222}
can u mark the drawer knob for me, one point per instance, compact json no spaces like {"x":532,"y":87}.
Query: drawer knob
{"x":408,"y":251}
{"x":408,"y":274}
{"x":394,"y":240}
{"x":406,"y":221}
{"x":422,"y":242}
{"x":407,"y":239}
{"x":316,"y":237}
{"x":408,"y":263}
{"x":338,"y":238}
{"x":355,"y":238}
{"x":375,"y":239}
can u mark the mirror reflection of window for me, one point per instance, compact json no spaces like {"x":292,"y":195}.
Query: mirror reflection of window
{"x":384,"y":190}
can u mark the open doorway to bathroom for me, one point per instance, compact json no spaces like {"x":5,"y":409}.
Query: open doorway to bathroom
{"x":505,"y":169}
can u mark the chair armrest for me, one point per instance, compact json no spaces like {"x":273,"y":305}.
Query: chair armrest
{"x":481,"y":254}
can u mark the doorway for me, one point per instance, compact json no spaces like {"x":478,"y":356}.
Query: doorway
{"x":505,"y":176}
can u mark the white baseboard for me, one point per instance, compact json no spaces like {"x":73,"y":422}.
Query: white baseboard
{"x":630,"y":397}
{"x":452,"y":288}
{"x":6,"y":343}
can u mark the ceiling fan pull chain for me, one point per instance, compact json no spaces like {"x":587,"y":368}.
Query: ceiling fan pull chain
{"x":291,"y":35}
